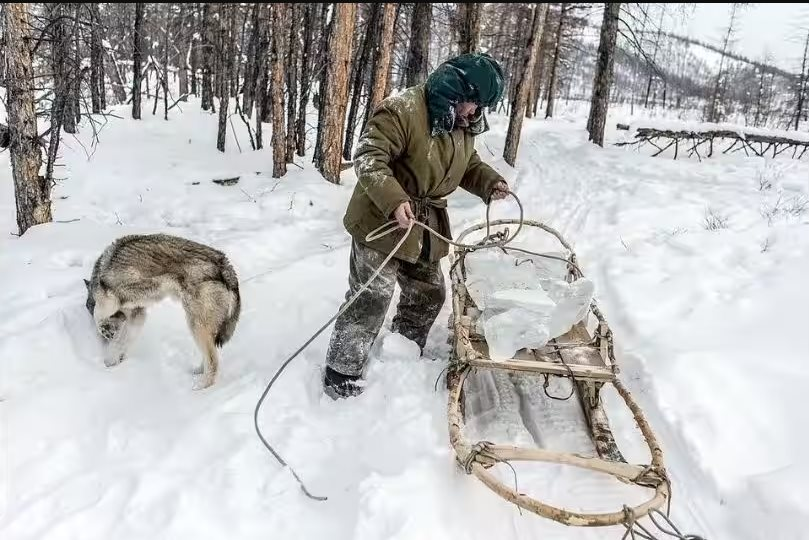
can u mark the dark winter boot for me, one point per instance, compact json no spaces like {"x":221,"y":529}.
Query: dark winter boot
{"x":337,"y":386}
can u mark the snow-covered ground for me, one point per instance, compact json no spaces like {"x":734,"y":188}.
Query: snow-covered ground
{"x":699,"y":267}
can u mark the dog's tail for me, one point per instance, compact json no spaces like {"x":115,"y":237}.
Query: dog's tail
{"x":231,"y":282}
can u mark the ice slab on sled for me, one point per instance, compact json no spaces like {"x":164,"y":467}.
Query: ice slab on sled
{"x":524,"y":300}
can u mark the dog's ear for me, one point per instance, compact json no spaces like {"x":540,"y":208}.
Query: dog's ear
{"x":87,"y":284}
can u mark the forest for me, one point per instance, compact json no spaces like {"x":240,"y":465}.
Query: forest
{"x":304,"y":78}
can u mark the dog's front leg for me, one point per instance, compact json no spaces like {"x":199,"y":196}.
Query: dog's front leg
{"x":114,"y":330}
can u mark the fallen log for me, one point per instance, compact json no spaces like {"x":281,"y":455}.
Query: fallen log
{"x":774,"y":143}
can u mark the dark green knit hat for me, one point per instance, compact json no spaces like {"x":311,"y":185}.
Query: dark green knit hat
{"x":473,"y":77}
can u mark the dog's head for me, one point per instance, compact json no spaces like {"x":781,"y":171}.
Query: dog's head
{"x":90,"y":303}
{"x":108,"y":327}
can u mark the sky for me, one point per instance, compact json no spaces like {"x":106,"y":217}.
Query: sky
{"x":779,"y":28}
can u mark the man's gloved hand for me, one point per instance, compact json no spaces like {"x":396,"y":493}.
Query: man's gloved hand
{"x":404,"y":215}
{"x":500,"y":191}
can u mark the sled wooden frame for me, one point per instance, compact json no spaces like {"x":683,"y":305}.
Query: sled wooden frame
{"x":589,"y":358}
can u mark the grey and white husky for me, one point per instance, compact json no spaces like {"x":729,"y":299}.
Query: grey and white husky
{"x":137,"y":271}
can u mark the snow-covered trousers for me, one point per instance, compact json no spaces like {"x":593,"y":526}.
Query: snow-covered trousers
{"x":421,"y":299}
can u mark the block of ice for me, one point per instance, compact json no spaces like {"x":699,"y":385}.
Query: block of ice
{"x":524,"y":300}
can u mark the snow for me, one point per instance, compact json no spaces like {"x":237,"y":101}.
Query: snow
{"x":710,"y":328}
{"x":525,"y":300}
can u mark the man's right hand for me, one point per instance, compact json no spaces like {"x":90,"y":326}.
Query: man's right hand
{"x":404,"y":215}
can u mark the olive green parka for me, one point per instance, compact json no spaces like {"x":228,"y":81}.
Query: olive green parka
{"x":408,"y":153}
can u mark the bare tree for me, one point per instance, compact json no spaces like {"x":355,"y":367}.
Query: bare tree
{"x":803,"y":84}
{"x":184,"y":53}
{"x":524,"y":81}
{"x":651,"y":75}
{"x":327,"y":24}
{"x":293,"y":47}
{"x":136,"y":61}
{"x":468,"y":27}
{"x":560,"y":32}
{"x":278,"y":52}
{"x":207,"y":58}
{"x":261,"y":86}
{"x":602,"y":81}
{"x":96,"y":59}
{"x":419,"y":51}
{"x":715,"y":111}
{"x":360,"y":66}
{"x":251,"y":69}
{"x":333,"y":108}
{"x":227,"y":25}
{"x":306,"y":77}
{"x":382,"y":56}
{"x":32,"y":191}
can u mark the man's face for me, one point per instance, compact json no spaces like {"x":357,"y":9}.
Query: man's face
{"x":464,"y":112}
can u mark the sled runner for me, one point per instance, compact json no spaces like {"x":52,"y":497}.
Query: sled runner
{"x":583,"y":354}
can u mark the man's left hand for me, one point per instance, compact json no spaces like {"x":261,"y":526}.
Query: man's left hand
{"x":500,"y":191}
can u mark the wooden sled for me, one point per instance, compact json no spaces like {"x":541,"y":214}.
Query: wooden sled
{"x":585,"y":355}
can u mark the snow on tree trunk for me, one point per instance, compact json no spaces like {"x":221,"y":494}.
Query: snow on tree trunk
{"x":334,"y":104}
{"x":524,"y":80}
{"x":605,"y":61}
{"x":136,"y":61}
{"x":32,"y":191}
{"x":560,"y":29}
{"x":279,"y":33}
{"x":468,"y":27}
{"x":419,"y":52}
{"x":306,"y":78}
{"x":382,"y":56}
{"x":293,"y":47}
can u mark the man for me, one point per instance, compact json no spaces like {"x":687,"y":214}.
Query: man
{"x":416,"y":149}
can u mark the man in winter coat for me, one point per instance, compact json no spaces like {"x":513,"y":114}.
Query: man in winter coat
{"x":417,"y":148}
